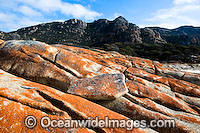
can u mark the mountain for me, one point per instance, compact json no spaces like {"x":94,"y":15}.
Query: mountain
{"x":75,"y":31}
{"x":103,"y":31}
{"x":186,"y":35}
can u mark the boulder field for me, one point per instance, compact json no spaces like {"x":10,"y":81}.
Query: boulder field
{"x":66,"y":82}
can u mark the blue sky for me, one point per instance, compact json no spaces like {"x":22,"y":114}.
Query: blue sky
{"x":15,"y":14}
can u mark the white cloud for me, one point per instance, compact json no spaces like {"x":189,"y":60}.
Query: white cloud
{"x":28,"y":11}
{"x":15,"y":14}
{"x":179,"y":2}
{"x":184,"y":12}
{"x":76,"y":10}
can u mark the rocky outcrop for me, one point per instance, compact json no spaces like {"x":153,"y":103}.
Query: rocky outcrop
{"x":151,"y":36}
{"x":186,"y":35}
{"x":65,"y":82}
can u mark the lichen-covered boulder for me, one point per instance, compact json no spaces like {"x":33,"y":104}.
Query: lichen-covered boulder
{"x":102,"y":87}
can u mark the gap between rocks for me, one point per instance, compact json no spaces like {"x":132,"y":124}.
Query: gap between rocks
{"x":59,"y":104}
{"x":45,"y":110}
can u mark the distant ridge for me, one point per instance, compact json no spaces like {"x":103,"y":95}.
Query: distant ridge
{"x":75,"y":31}
{"x":102,"y":31}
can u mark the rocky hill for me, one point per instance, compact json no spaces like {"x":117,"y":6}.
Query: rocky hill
{"x":186,"y":35}
{"x":66,"y":82}
{"x":75,"y":31}
{"x":102,"y":31}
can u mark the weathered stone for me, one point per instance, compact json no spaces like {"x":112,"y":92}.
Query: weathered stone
{"x":93,"y":56}
{"x":190,"y":100}
{"x":1,"y":41}
{"x":158,"y":86}
{"x":191,"y":77}
{"x":184,"y":87}
{"x":151,"y":105}
{"x":79,"y":66}
{"x":33,"y":60}
{"x":78,"y":50}
{"x":136,"y":112}
{"x":121,"y":61}
{"x":144,"y":64}
{"x":40,"y":100}
{"x":172,"y":102}
{"x":102,"y":87}
{"x":14,"y":113}
{"x":148,"y":76}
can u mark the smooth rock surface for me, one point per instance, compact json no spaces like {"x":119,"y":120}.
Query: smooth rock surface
{"x":102,"y":87}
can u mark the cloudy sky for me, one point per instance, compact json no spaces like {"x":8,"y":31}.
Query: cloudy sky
{"x":15,"y":14}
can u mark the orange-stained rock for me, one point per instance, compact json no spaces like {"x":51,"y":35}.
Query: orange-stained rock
{"x":13,"y":115}
{"x":79,"y":66}
{"x":149,"y":104}
{"x":191,"y":77}
{"x":78,"y":50}
{"x":93,"y":56}
{"x":45,"y":101}
{"x":184,"y":87}
{"x":136,"y":112}
{"x":144,"y":64}
{"x":29,"y":59}
{"x":158,"y":86}
{"x":164,"y":70}
{"x":1,"y":41}
{"x":102,"y":87}
{"x":191,"y":100}
{"x":172,"y":102}
{"x":148,"y":76}
{"x":121,"y":61}
{"x":46,"y":64}
{"x":105,"y":62}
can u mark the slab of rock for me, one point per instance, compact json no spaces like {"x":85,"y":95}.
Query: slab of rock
{"x":79,"y":66}
{"x":136,"y":112}
{"x":144,"y":64}
{"x":158,"y":86}
{"x":145,"y":75}
{"x":14,"y":113}
{"x":191,"y":77}
{"x":34,"y":61}
{"x":93,"y":56}
{"x":102,"y":87}
{"x":184,"y":87}
{"x":46,"y":64}
{"x":1,"y":41}
{"x":164,"y":99}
